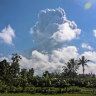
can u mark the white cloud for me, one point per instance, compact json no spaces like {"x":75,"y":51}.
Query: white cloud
{"x":54,"y":61}
{"x":51,"y":62}
{"x":64,"y":54}
{"x":90,"y":55}
{"x":86,"y":46}
{"x":94,"y":32}
{"x":7,"y":34}
{"x":91,"y":68}
{"x":2,"y":58}
{"x":65,"y":33}
{"x":54,"y":29}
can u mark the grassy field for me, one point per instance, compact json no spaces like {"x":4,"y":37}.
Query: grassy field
{"x":23,"y":94}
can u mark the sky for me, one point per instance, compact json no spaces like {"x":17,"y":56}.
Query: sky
{"x":47,"y":33}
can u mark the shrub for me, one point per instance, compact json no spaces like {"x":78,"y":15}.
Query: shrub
{"x":12,"y":89}
{"x":19,"y":89}
{"x":74,"y":89}
{"x":30,"y":89}
{"x":38,"y":90}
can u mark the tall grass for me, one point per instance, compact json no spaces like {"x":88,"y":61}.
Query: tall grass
{"x":24,"y":94}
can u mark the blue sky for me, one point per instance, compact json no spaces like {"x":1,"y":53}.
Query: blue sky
{"x":22,"y":15}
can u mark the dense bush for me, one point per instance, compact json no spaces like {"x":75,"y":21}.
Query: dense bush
{"x":74,"y":89}
{"x":30,"y":90}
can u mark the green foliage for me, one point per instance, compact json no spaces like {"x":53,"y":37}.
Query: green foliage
{"x":15,"y":68}
{"x":4,"y":69}
{"x":74,"y":89}
{"x":30,"y":89}
{"x":25,"y":94}
{"x":16,"y":80}
{"x":24,"y":73}
{"x":31,"y":72}
{"x":70,"y":68}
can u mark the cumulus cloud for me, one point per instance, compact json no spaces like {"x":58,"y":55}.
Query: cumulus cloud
{"x":54,"y":29}
{"x":94,"y":32}
{"x":51,"y":32}
{"x":54,"y":61}
{"x":65,"y":33}
{"x":7,"y":34}
{"x":64,"y":54}
{"x":51,"y":62}
{"x":86,"y":46}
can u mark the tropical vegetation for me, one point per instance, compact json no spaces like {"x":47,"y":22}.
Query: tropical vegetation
{"x":16,"y":80}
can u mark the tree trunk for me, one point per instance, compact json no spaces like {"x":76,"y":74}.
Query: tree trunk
{"x":83,"y":71}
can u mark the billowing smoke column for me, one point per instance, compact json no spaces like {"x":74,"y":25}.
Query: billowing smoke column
{"x":51,"y":32}
{"x":53,"y":29}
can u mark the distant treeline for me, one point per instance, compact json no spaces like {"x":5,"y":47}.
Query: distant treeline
{"x":13,"y":79}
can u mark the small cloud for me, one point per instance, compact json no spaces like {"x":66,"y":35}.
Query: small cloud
{"x":7,"y":34}
{"x":2,"y":58}
{"x":86,"y":46}
{"x":88,"y":5}
{"x":94,"y":32}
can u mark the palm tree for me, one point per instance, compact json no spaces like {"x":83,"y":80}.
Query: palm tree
{"x":70,"y":68}
{"x":83,"y":62}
